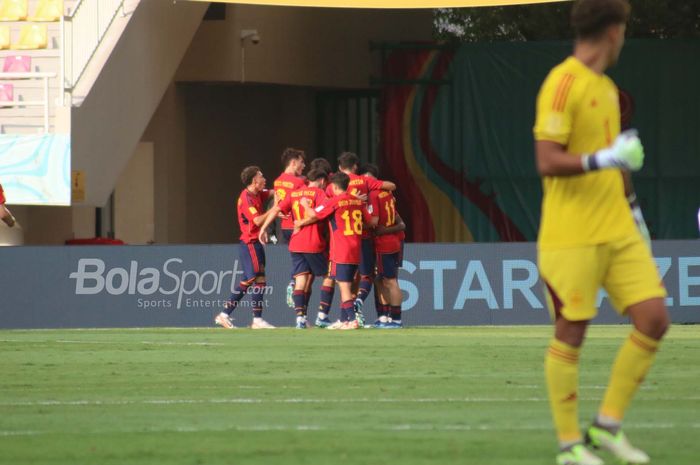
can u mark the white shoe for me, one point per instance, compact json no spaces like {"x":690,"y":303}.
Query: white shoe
{"x":617,"y":444}
{"x":337,"y":325}
{"x":578,"y":455}
{"x":224,"y":320}
{"x":259,"y":323}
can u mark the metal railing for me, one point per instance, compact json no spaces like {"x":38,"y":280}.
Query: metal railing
{"x":82,"y":32}
{"x":31,"y":103}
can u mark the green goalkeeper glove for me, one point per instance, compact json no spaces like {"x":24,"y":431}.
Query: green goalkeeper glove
{"x":626,"y":152}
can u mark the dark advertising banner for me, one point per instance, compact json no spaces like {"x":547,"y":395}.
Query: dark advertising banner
{"x":142,"y":286}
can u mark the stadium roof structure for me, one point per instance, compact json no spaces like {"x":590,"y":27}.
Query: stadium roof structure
{"x":385,"y":3}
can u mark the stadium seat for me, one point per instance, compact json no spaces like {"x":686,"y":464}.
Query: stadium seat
{"x":48,"y":10}
{"x":4,"y":37}
{"x":31,"y":37}
{"x":17,"y":64}
{"x":7,"y":93}
{"x":13,"y":10}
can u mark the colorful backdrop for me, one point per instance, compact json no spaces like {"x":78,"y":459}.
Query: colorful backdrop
{"x":457,"y":135}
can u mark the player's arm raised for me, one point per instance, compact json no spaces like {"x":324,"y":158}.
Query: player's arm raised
{"x":379,"y":185}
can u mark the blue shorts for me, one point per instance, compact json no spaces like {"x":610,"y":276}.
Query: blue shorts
{"x":388,"y":264}
{"x":367,"y":260}
{"x":287,"y":235}
{"x":314,"y":263}
{"x":342,"y":272}
{"x":252,"y":258}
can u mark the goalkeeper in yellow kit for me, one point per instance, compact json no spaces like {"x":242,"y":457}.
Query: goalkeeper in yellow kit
{"x":588,"y":238}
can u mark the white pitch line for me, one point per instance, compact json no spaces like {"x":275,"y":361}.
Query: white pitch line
{"x":158,"y":343}
{"x":19,"y":433}
{"x":464,"y":400}
{"x":335,"y":427}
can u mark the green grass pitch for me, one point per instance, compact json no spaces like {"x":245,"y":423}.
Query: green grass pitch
{"x":472,"y":395}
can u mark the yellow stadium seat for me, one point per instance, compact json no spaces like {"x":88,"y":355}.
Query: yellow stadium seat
{"x":32,"y":36}
{"x":48,"y":10}
{"x":4,"y":37}
{"x":13,"y":10}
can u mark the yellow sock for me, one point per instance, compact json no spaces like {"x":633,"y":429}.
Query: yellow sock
{"x":561,"y":370}
{"x":631,"y":366}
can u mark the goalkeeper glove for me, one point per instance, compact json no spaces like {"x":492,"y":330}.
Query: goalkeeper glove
{"x":626,"y":152}
{"x":639,"y":218}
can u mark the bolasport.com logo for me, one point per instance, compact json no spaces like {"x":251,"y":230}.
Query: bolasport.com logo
{"x":172,"y":286}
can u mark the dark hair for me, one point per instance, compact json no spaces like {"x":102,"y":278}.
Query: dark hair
{"x":316,"y":174}
{"x":347,"y":160}
{"x":590,"y":18}
{"x":248,"y":173}
{"x":290,"y":154}
{"x":321,"y":163}
{"x":370,"y":168}
{"x":341,"y":180}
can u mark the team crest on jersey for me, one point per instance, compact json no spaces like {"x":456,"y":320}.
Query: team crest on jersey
{"x":253,"y":210}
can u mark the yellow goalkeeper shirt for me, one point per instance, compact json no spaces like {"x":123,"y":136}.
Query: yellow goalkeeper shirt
{"x":579,"y":109}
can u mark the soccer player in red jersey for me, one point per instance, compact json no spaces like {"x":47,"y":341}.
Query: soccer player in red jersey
{"x":308,"y":245}
{"x":5,"y":214}
{"x":294,"y":161}
{"x":328,"y":285}
{"x":251,"y":215}
{"x":388,"y":244}
{"x":360,"y":187}
{"x":347,"y":216}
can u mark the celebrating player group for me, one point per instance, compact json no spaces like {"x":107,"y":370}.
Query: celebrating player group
{"x":341,"y":227}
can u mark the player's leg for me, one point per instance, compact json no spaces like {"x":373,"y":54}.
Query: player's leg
{"x":381,"y":296}
{"x":381,"y":303}
{"x":287,"y":235}
{"x":300,"y":273}
{"x":390,"y":277}
{"x":225,"y":317}
{"x":299,"y":296}
{"x":634,"y":285}
{"x":326,"y":299}
{"x":259,"y":288}
{"x":572,"y":278}
{"x":344,"y":274}
{"x":367,"y":263}
{"x":388,"y":270}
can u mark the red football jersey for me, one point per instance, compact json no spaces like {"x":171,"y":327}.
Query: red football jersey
{"x":250,"y":206}
{"x":346,"y":216}
{"x":310,"y":238}
{"x":383,"y":206}
{"x":283,"y":185}
{"x":2,"y":195}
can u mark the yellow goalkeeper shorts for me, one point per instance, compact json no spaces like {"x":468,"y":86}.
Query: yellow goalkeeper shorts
{"x":573,"y":276}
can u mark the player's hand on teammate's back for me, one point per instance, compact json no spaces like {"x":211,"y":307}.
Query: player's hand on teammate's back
{"x":626,"y":152}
